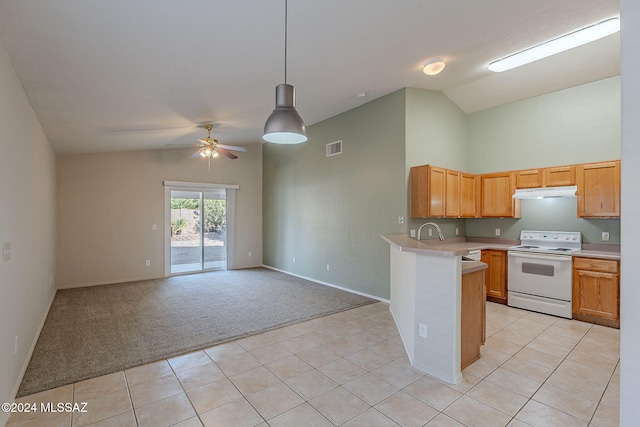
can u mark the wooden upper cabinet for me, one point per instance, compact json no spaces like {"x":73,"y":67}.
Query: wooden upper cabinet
{"x":468,"y":195}
{"x":532,"y":178}
{"x":452,"y":187}
{"x":437,"y":191}
{"x":427,"y":189}
{"x":598,"y":189}
{"x":419,"y":191}
{"x":440,"y":192}
{"x":560,"y":176}
{"x":496,"y":190}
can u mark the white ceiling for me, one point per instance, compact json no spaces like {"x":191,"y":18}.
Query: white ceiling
{"x":139,"y":74}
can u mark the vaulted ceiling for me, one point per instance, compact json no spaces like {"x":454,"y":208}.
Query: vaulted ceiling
{"x":134,"y":75}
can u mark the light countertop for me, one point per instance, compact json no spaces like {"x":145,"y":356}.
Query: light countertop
{"x":455,"y":247}
{"x":458,"y":247}
{"x":613,"y":255}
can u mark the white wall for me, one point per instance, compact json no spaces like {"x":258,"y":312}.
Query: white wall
{"x":27,"y":220}
{"x":630,"y":224}
{"x":108,"y":203}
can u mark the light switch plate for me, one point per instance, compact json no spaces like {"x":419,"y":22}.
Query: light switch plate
{"x":6,"y":252}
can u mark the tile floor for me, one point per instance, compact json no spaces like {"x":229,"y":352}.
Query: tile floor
{"x":350,"y":369}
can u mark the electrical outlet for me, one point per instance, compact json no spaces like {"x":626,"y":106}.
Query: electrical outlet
{"x":422,"y":330}
{"x":497,"y":231}
{"x":153,"y":227}
{"x":147,"y":263}
{"x":605,"y":236}
{"x":51,"y":280}
{"x":457,"y":231}
{"x":412,"y":233}
{"x":327,"y":267}
{"x":430,"y":232}
{"x":294,"y":260}
{"x":249,"y":254}
{"x":400,"y":219}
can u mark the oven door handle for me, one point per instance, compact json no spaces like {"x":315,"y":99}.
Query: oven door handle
{"x":541,"y":257}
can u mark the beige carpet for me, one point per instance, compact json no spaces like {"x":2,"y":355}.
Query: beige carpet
{"x":102,"y":329}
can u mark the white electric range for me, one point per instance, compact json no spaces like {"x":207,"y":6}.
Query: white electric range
{"x":539,"y":271}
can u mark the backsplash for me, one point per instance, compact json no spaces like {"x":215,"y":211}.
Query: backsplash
{"x":550,"y":214}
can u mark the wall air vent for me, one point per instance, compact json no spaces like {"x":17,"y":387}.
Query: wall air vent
{"x":334,"y":148}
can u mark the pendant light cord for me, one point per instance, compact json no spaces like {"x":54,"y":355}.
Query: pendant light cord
{"x":286,"y":9}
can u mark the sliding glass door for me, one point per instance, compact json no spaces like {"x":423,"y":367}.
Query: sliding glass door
{"x":198,"y":230}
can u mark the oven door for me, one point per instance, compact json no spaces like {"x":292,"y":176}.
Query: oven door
{"x":541,"y":275}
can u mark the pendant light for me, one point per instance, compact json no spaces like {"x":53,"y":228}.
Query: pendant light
{"x":284,"y":125}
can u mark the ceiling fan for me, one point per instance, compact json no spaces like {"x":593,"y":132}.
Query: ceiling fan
{"x":211,"y":147}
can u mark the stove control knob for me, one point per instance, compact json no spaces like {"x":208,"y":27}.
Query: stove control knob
{"x":567,"y":238}
{"x":575,"y":238}
{"x":555,"y":236}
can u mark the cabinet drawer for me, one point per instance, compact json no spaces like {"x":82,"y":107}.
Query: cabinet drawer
{"x":592,"y":264}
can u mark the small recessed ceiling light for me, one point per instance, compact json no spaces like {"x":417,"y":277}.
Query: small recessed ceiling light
{"x":433,"y":67}
{"x":361,"y":94}
{"x":569,"y":41}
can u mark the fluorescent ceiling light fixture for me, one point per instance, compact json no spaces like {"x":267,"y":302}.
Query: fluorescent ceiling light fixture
{"x":569,"y":41}
{"x":433,"y":67}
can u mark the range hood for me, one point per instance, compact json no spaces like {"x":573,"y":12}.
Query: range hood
{"x":539,"y":193}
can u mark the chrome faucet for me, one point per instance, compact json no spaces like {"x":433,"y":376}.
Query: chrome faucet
{"x":440,"y":236}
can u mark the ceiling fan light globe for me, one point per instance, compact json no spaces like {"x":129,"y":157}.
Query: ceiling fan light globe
{"x":215,"y":154}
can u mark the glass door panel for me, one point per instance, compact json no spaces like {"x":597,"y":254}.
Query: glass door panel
{"x":198,"y":231}
{"x":214,"y":230}
{"x":186,"y":244}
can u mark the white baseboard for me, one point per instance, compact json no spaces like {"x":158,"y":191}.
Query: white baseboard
{"x":110,"y":282}
{"x":31,"y":349}
{"x":328,"y":284}
{"x":402,"y":338}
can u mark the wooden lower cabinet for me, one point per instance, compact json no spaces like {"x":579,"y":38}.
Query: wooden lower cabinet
{"x":596,"y":291}
{"x":496,"y":275}
{"x":473,"y":317}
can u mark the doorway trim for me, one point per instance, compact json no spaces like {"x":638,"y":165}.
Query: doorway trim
{"x":200,"y":186}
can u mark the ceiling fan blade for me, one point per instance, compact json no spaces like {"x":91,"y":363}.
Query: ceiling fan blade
{"x":233,"y":147}
{"x":197,"y":153}
{"x":226,"y":153}
{"x":182,"y":145}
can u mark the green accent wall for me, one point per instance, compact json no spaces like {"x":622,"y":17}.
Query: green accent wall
{"x":552,"y":214}
{"x":575,"y":125}
{"x":436,"y":134}
{"x":332,"y":210}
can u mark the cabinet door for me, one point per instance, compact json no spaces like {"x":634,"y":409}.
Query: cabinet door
{"x":472,"y":318}
{"x":559,"y":176}
{"x":496,"y":275}
{"x":452,"y":187}
{"x":419,"y":194}
{"x":531,"y":178}
{"x":596,"y":294}
{"x":599,"y":189}
{"x":497,"y":189}
{"x":437,"y":191}
{"x":467,"y":195}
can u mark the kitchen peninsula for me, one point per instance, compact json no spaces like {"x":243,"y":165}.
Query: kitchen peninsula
{"x":426,"y":302}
